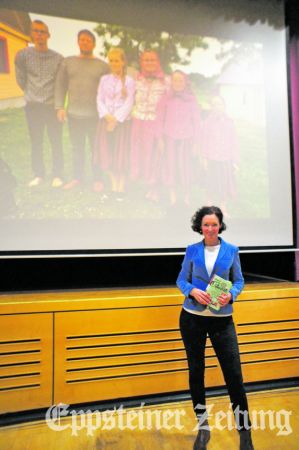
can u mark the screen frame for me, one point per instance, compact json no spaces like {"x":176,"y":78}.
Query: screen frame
{"x":39,"y":7}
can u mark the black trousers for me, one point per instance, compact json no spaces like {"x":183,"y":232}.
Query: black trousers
{"x":41,"y":117}
{"x":81,"y":130}
{"x":221,"y":330}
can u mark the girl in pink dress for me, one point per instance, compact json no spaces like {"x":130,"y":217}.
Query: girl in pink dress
{"x":220,"y":152}
{"x":178,"y":122}
{"x":114,"y":101}
{"x":151,"y":84}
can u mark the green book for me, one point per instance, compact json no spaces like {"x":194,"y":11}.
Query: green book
{"x":216,"y":287}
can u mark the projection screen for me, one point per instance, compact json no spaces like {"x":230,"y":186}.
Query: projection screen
{"x":173,"y":121}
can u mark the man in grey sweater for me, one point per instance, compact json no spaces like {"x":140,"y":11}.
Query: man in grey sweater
{"x":36,"y":68}
{"x":77,"y":80}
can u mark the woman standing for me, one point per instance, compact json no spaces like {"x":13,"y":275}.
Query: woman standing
{"x":203,"y":260}
{"x":114,"y":101}
{"x":151,"y":84}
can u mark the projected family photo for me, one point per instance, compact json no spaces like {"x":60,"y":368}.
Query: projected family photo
{"x":104,"y":121}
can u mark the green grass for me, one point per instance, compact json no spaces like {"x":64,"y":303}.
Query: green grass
{"x":252,"y":179}
{"x":45,"y":202}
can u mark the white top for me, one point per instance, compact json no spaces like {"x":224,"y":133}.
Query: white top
{"x":110,"y":98}
{"x":211,"y":253}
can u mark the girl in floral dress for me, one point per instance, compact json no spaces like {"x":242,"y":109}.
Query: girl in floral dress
{"x":151,"y":84}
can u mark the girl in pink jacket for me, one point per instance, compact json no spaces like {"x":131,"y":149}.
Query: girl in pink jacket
{"x":220,"y":153}
{"x":178,"y":124}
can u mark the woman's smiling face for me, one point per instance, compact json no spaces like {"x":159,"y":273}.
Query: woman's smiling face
{"x":210,"y":227}
{"x":150,"y":62}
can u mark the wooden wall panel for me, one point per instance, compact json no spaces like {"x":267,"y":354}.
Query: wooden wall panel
{"x":26,"y":361}
{"x":118,"y":344}
{"x":138,"y":351}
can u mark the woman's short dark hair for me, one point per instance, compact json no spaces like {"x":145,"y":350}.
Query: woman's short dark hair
{"x":204,"y":211}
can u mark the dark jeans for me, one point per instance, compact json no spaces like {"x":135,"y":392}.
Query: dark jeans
{"x":221,"y":330}
{"x":40,"y":117}
{"x":81,"y":130}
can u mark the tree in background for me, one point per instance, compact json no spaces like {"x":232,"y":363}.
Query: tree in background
{"x":172,"y":47}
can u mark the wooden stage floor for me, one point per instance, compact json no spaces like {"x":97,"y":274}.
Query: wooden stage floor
{"x":276,"y":429}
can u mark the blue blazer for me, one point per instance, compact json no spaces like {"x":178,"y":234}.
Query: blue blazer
{"x":194,"y":274}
